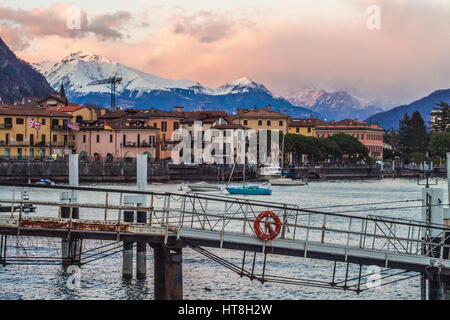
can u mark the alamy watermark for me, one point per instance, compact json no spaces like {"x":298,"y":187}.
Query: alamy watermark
{"x":374,"y":19}
{"x":225,"y":146}
{"x":74,"y":18}
{"x":74,"y":280}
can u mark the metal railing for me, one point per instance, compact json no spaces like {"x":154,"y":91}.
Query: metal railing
{"x":225,"y":215}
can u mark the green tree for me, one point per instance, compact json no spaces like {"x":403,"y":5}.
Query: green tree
{"x":413,"y":134}
{"x":440,"y":143}
{"x":350,"y":146}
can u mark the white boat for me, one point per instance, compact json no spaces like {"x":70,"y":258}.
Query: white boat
{"x":274,"y":170}
{"x":287,"y":182}
{"x":203,"y":187}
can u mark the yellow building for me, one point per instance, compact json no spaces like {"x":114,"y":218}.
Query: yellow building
{"x":18,"y":140}
{"x":79,"y":113}
{"x":262,"y":119}
{"x":304,"y":126}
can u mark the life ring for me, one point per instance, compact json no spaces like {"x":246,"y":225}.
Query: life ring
{"x":268,"y":233}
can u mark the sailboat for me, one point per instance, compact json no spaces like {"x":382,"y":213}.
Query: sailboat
{"x":253,"y":190}
{"x":287,"y":178}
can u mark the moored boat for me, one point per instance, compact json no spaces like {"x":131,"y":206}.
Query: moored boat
{"x":287,"y":182}
{"x":254,"y":190}
{"x":203,"y":187}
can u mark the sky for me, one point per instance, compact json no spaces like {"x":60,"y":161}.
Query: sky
{"x":389,"y":52}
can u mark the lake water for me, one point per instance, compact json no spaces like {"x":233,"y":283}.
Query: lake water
{"x":205,"y":279}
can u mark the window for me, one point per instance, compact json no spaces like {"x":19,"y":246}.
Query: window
{"x":309,"y":130}
{"x":84,"y":138}
{"x":31,"y":139}
{"x":110,"y":138}
{"x":268,"y":122}
{"x":164,"y":137}
{"x":55,"y":138}
{"x":155,"y":125}
{"x":98,"y":138}
{"x":43,"y":122}
{"x":7,"y":138}
{"x":259,"y":122}
{"x":79,"y":119}
{"x":245,"y":122}
{"x":280,"y":123}
{"x":43,"y":138}
{"x":19,"y":137}
{"x":151,"y":140}
{"x":297,"y":130}
{"x":360,"y":136}
{"x":164,"y":126}
{"x":8,"y":122}
{"x":19,"y":120}
{"x":176,"y":125}
{"x":124,"y":140}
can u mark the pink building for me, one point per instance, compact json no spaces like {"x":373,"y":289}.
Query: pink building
{"x":124,"y":141}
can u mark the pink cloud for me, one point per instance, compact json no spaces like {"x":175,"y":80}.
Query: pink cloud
{"x":404,"y":60}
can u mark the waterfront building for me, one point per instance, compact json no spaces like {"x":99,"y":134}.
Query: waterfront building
{"x":79,"y":113}
{"x":262,"y":119}
{"x":116,"y":139}
{"x":165,"y":121}
{"x":436,"y":117}
{"x":49,"y":135}
{"x":371,"y":136}
{"x":304,"y":126}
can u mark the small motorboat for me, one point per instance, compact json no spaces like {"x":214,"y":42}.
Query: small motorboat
{"x":47,"y":182}
{"x":287,"y":182}
{"x":203,"y":187}
{"x":288,"y":174}
{"x":255,"y":190}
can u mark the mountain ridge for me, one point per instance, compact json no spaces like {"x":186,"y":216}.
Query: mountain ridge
{"x":390,"y":119}
{"x":18,"y":79}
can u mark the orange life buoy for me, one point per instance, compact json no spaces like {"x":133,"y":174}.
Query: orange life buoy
{"x":267,"y":233}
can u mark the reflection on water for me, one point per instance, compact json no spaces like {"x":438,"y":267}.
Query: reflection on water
{"x":205,"y":279}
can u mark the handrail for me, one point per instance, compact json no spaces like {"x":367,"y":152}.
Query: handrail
{"x":225,"y":199}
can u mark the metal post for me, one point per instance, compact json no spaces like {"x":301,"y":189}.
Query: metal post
{"x":433,"y":214}
{"x":448,"y":175}
{"x":168,"y":282}
{"x":71,"y":248}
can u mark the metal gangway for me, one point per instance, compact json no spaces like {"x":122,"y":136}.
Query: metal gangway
{"x":226,"y":222}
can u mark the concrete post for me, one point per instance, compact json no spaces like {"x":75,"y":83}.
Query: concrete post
{"x":127,"y":255}
{"x":433,"y":212}
{"x":168,"y":282}
{"x":71,"y":248}
{"x":141,"y":255}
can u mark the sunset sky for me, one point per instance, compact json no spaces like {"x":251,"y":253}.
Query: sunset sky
{"x":286,"y":45}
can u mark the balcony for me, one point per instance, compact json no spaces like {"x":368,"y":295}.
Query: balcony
{"x":5,"y":126}
{"x":59,"y":128}
{"x":135,"y":145}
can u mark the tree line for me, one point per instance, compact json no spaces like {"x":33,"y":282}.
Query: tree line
{"x":413,"y":143}
{"x":337,"y":148}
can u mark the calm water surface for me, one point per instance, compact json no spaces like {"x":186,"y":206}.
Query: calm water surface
{"x":203,"y":278}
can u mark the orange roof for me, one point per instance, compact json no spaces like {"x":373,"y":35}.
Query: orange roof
{"x":14,"y":111}
{"x":306,"y":122}
{"x":72,"y":107}
{"x":262,"y":113}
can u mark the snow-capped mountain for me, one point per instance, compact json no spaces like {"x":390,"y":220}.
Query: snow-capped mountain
{"x":333,"y":105}
{"x":143,"y":90}
{"x":79,"y":69}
